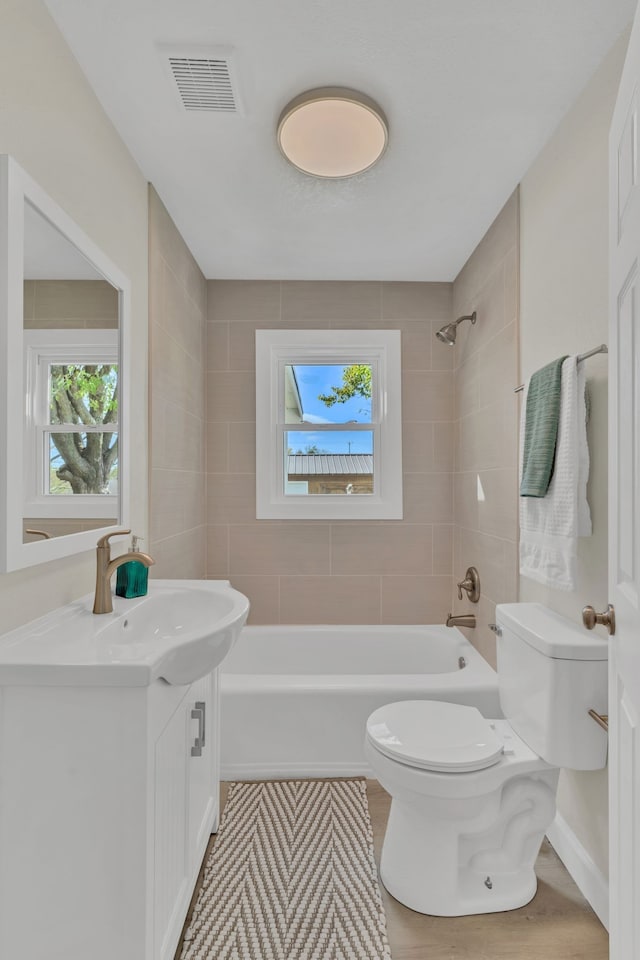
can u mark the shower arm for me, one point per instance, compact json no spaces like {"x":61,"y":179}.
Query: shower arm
{"x":469,"y":316}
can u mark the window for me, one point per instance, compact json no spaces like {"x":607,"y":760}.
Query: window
{"x":328,"y":424}
{"x":71,"y":423}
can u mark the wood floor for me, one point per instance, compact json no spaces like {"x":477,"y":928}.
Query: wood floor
{"x":558,"y":924}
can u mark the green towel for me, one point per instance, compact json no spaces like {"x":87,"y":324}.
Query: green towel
{"x":541,"y":429}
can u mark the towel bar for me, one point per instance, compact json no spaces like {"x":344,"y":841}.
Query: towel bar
{"x":603,"y":348}
{"x":602,"y":719}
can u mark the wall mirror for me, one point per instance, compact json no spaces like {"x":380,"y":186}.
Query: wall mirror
{"x":64,"y":356}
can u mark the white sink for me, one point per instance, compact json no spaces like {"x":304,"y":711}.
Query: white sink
{"x":179,"y":632}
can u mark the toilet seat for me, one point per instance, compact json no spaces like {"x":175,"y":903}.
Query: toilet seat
{"x":435,"y":735}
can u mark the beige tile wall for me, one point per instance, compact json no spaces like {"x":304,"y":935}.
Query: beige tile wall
{"x":486,"y":423}
{"x":340,"y":572}
{"x":60,"y":528}
{"x":70,"y":305}
{"x":177,"y":351}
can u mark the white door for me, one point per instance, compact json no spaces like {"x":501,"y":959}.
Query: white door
{"x":624,"y":512}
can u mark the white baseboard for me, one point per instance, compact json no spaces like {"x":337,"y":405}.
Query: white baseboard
{"x":589,"y":879}
{"x":292,"y":770}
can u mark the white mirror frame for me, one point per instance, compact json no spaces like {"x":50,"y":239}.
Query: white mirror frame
{"x":16,"y":187}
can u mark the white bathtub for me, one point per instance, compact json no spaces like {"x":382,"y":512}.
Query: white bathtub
{"x":295,"y":699}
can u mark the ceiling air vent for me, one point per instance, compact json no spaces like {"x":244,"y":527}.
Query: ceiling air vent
{"x":204,"y":78}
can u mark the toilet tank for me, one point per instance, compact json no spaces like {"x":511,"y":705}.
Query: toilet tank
{"x":551,"y":672}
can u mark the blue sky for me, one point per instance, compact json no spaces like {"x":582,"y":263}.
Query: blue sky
{"x":316,"y":379}
{"x":346,"y":441}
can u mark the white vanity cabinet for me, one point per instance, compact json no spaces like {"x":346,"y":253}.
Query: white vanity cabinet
{"x":108,"y":796}
{"x":186,"y":792}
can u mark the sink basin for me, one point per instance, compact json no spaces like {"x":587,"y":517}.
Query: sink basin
{"x":190,"y":625}
{"x":179,"y":632}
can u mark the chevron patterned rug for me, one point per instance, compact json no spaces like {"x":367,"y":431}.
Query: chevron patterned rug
{"x":291,"y":876}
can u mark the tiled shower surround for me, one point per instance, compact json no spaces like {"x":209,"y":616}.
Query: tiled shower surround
{"x":486,"y":423}
{"x":458,"y":437}
{"x":177,"y":337}
{"x":332,"y":571}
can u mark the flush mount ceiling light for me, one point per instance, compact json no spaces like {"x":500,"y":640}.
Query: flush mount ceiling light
{"x":332,"y":132}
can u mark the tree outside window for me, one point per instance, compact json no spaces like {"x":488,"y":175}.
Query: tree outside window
{"x":83,"y":395}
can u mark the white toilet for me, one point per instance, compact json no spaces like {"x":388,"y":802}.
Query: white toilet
{"x":472,"y":798}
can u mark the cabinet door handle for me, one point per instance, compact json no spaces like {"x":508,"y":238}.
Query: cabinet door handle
{"x":201,"y":705}
{"x":199,"y":714}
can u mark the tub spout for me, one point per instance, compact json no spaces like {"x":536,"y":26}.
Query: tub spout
{"x":461,"y":620}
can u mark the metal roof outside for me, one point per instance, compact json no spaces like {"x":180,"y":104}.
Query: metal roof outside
{"x":329,"y":464}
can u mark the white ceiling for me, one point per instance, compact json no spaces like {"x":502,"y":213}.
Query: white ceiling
{"x":472,"y":90}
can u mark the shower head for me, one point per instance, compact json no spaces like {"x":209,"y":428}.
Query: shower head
{"x":447,"y":334}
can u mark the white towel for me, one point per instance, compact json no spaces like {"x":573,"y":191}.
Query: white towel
{"x":550,"y":526}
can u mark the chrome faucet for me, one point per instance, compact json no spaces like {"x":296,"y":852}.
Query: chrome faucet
{"x":461,"y":620}
{"x":106,"y":567}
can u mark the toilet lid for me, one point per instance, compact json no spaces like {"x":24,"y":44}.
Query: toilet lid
{"x":445,"y":737}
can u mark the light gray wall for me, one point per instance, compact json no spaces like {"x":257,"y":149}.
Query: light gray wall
{"x":564,"y":309}
{"x":54,"y":126}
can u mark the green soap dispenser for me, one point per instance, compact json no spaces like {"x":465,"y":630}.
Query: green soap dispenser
{"x":132,"y":577}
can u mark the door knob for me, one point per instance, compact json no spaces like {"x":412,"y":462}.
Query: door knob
{"x":608,"y":619}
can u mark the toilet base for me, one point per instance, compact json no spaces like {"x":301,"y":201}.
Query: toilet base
{"x":508,"y":892}
{"x":450,"y":858}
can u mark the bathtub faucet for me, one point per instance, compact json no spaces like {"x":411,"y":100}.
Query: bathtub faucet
{"x":461,"y":620}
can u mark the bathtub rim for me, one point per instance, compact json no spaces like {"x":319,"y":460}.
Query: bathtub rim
{"x":478,"y":676}
{"x":374,"y":682}
{"x":476,"y":660}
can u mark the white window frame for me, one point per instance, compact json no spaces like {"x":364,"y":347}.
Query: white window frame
{"x":43,"y":347}
{"x":276,"y":349}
